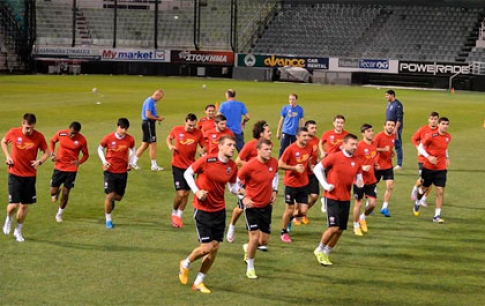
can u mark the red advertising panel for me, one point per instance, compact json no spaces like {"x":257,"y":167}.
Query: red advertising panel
{"x":223,"y":58}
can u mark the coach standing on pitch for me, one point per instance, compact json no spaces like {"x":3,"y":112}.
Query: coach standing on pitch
{"x":234,"y":111}
{"x":149,"y":116}
{"x":395,"y":112}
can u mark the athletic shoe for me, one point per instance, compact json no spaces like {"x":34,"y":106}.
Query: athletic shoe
{"x":59,"y":218}
{"x":416,"y":209}
{"x":324,"y":205}
{"x":296,"y":221}
{"x":245,"y":249}
{"x":363,"y":226}
{"x":18,"y":236}
{"x":200,"y":287}
{"x":286,"y":238}
{"x":251,"y":274}
{"x":437,"y":219}
{"x":135,"y":167}
{"x":7,"y":228}
{"x":305,"y":220}
{"x":183,"y":273}
{"x":358,"y":232}
{"x":230,"y":234}
{"x":398,"y":168}
{"x":414,"y":193}
{"x":263,"y":248}
{"x":157,"y":168}
{"x":385,"y":212}
{"x":109,"y":224}
{"x":176,"y":221}
{"x":322,"y":258}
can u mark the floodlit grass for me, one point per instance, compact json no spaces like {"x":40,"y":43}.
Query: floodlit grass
{"x":403,"y":260}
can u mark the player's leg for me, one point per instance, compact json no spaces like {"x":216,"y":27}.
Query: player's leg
{"x":387,"y":197}
{"x":28,"y":197}
{"x":358,"y":203}
{"x":236,"y":213}
{"x":182,"y":191}
{"x":254,"y":234}
{"x":14,"y":198}
{"x":440,"y":183}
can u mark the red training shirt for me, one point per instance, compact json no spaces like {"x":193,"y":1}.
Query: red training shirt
{"x":292,"y":156}
{"x":384,"y":159}
{"x":212,"y":176}
{"x":367,"y":154}
{"x":341,"y":174}
{"x":257,"y":177}
{"x":24,"y":151}
{"x":212,"y":139}
{"x":186,"y":144}
{"x":420,"y":134}
{"x":68,"y":151}
{"x":436,"y":145}
{"x":117,"y":153}
{"x":332,"y":140}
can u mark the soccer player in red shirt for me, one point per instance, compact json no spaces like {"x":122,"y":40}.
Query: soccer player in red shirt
{"x":213,"y":135}
{"x":434,"y":148}
{"x":248,"y":152}
{"x":367,"y":153}
{"x":213,"y":173}
{"x":332,"y":140}
{"x":259,"y":177}
{"x":120,"y":150}
{"x":384,"y":142}
{"x":296,"y":161}
{"x":208,"y":122}
{"x":22,"y":170}
{"x":421,"y":133}
{"x":343,"y":170}
{"x":66,"y":162}
{"x":186,"y":138}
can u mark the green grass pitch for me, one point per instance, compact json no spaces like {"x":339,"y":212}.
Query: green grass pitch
{"x":403,"y":260}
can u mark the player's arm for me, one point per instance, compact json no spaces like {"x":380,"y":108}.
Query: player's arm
{"x":169,"y":143}
{"x":52,"y":145}
{"x":278,"y":130}
{"x":321,"y":147}
{"x":284,"y":166}
{"x":42,"y":159}
{"x":274,"y":185}
{"x":189,"y":177}
{"x":416,"y":138}
{"x":240,"y":162}
{"x":105,"y":163}
{"x":422,"y":150}
{"x":8,"y":158}
{"x":85,"y":153}
{"x":246,"y":118}
{"x":319,"y":170}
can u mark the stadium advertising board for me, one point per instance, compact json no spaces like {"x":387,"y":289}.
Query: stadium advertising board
{"x":374,"y":64}
{"x":363,"y":65}
{"x":135,"y":55}
{"x":66,"y":52}
{"x":271,"y":61}
{"x":435,"y":68}
{"x":222,"y":58}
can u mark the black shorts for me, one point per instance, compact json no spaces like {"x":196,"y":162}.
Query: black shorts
{"x":313,"y":186}
{"x":240,"y":203}
{"x":338,"y":213}
{"x":386,"y":175}
{"x":115,"y":182}
{"x":210,"y":226}
{"x":179,"y":182}
{"x":63,"y":177}
{"x":298,"y":194}
{"x":259,"y":219}
{"x":420,"y":170}
{"x":149,"y":131}
{"x":21,"y":189}
{"x":370,"y":191}
{"x":435,"y":177}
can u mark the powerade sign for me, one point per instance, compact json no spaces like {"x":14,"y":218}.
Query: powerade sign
{"x":273,"y":61}
{"x":374,"y":64}
{"x":433,"y":68}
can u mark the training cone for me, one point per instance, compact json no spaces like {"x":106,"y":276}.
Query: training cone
{"x":452,"y":90}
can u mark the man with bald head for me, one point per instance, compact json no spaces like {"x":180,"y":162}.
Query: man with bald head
{"x":149,"y":116}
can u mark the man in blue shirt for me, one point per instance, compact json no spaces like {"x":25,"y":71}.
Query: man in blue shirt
{"x":149,"y":117}
{"x":395,"y":112}
{"x":234,"y":111}
{"x":292,"y":117}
